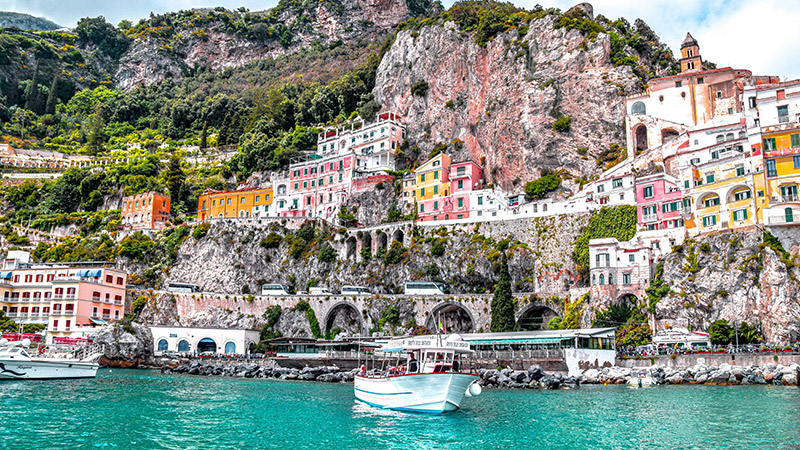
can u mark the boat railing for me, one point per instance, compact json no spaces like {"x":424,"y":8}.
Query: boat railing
{"x":91,"y":352}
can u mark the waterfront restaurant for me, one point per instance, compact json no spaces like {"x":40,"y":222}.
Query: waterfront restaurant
{"x":202,"y":340}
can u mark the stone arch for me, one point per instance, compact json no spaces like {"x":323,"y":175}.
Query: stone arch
{"x":627,"y":299}
{"x":640,"y":137}
{"x":455,"y":317}
{"x":366,"y":242}
{"x":729,"y":137}
{"x":535,"y":317}
{"x":351,"y":247}
{"x":344,"y":316}
{"x":639,"y":108}
{"x":380,"y":242}
{"x":668,"y":134}
{"x":398,"y":236}
{"x":206,"y":345}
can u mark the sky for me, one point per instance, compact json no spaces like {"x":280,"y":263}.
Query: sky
{"x":730,"y":32}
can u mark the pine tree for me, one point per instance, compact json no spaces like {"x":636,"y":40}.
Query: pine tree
{"x":204,"y":136}
{"x":52,"y":97}
{"x":175,"y":178}
{"x":503,"y":301}
{"x":32,"y":95}
{"x":224,"y":131}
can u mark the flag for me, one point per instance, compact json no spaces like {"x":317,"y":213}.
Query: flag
{"x":441,"y":327}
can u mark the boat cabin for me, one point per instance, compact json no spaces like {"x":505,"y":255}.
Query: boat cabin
{"x":428,"y":354}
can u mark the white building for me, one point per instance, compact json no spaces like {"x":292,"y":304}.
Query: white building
{"x":202,"y":340}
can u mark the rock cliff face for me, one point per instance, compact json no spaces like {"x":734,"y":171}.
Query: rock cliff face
{"x":213,"y":45}
{"x":230,"y":257}
{"x":501,"y":101}
{"x":126,"y":345}
{"x":730,"y":276}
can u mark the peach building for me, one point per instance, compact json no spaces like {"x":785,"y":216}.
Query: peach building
{"x":251,"y":202}
{"x":146,"y":211}
{"x":70,"y":299}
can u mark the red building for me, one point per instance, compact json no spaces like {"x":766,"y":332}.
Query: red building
{"x":145,"y":211}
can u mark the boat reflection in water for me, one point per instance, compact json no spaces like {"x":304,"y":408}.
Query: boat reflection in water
{"x":423,"y":374}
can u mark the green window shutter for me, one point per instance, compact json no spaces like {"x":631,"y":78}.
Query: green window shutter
{"x":795,"y":140}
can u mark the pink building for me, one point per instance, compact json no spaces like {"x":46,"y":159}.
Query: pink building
{"x":319,"y":186}
{"x":70,"y":300}
{"x":465,"y":177}
{"x":659,"y":202}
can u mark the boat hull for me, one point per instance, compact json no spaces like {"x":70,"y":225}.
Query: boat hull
{"x":43,"y":369}
{"x":430,"y":392}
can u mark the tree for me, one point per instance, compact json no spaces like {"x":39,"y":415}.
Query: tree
{"x":175,"y":178}
{"x":52,"y":97}
{"x":721,"y":332}
{"x":101,"y":34}
{"x":503,"y":301}
{"x":32,"y":95}
{"x":204,"y":136}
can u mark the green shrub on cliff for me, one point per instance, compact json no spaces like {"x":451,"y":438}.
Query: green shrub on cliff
{"x":313,"y":323}
{"x":563,"y":124}
{"x":201,"y":230}
{"x":617,"y":222}
{"x":540,"y":187}
{"x":326,"y":254}
{"x":420,"y":88}
{"x":272,"y":240}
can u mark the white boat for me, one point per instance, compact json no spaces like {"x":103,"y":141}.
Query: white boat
{"x":17,"y":364}
{"x":419,"y":374}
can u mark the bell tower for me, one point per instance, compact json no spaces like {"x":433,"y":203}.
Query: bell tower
{"x":690,"y":54}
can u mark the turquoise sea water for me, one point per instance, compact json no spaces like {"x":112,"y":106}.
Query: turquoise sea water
{"x":147,"y":410}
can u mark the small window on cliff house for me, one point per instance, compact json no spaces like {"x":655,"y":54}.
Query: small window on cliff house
{"x":700,"y":80}
{"x":602,"y":279}
{"x":639,"y":108}
{"x":678,"y":84}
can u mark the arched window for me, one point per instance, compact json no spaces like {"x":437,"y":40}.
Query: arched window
{"x":594,"y":279}
{"x":162,"y":345}
{"x":230,"y":348}
{"x":610,"y":279}
{"x":720,"y":138}
{"x":729,"y":137}
{"x":183,"y":346}
{"x":602,"y":279}
{"x":639,"y":108}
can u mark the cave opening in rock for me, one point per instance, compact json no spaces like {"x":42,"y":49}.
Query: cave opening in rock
{"x":345,"y":318}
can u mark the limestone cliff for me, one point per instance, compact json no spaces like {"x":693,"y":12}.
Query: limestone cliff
{"x":502,"y":100}
{"x":734,"y":277}
{"x":206,"y":37}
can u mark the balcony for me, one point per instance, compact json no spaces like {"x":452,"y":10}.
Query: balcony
{"x":69,"y":297}
{"x":97,"y":299}
{"x":106,"y":316}
{"x":68,"y":312}
{"x":11,"y":315}
{"x":107,"y":300}
{"x":10,"y":300}
{"x":118,"y":302}
{"x":789,"y":197}
{"x":58,"y":297}
{"x":66,"y":329}
{"x":649,"y":218}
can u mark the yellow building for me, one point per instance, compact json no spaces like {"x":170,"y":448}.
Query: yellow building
{"x":430,"y":180}
{"x":252,"y":202}
{"x":781,"y":145}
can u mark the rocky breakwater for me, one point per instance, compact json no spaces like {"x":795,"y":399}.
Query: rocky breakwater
{"x":263,"y":369}
{"x":533,"y":378}
{"x":125,"y":345}
{"x":724,"y":374}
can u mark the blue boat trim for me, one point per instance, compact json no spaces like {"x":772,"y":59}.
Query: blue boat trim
{"x":426,"y":411}
{"x":376,"y":393}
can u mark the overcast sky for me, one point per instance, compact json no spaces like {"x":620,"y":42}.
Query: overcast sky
{"x":730,"y":32}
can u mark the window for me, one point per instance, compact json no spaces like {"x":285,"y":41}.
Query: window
{"x":687,"y":202}
{"x":783,"y":113}
{"x":461,"y":203}
{"x":258,"y":198}
{"x":603,"y":259}
{"x":709,"y":221}
{"x":435,"y":174}
{"x":241,"y":201}
{"x":699,"y":81}
{"x":686,"y":184}
{"x":435,"y":206}
{"x":730,"y":110}
{"x":669,"y":207}
{"x":436,"y":189}
{"x":751,"y":102}
{"x":796,"y":161}
{"x":739,"y":215}
{"x":739,"y":171}
{"x":648,"y":191}
{"x":305,"y":184}
{"x":616,"y":183}
{"x":183,"y":346}
{"x":694,"y":161}
{"x":709,"y":178}
{"x":712,"y":201}
{"x":422,"y":192}
{"x":678,"y":84}
{"x":741,"y":195}
{"x":229,"y":201}
{"x":600,"y":188}
{"x":789,"y":215}
{"x":421,"y":208}
{"x":119,"y":281}
{"x":789,"y":192}
{"x":631,"y":258}
{"x":461,"y":184}
{"x":480,"y":199}
{"x":422,"y":177}
{"x":602,"y":279}
{"x":771,"y":169}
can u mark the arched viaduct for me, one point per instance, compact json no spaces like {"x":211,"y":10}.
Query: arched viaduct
{"x":456,"y":313}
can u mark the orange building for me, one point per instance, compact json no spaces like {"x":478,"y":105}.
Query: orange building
{"x":143,"y":211}
{"x":252,"y":202}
